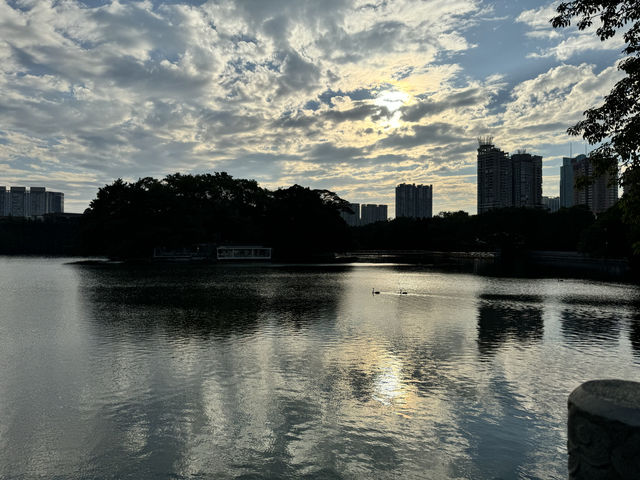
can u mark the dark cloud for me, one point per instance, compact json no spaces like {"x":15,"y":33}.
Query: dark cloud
{"x":298,"y":75}
{"x":153,"y":79}
{"x":460,"y":149}
{"x":435,"y":134}
{"x":220,"y":122}
{"x":328,"y":153}
{"x":311,"y":105}
{"x":343,"y":47}
{"x":359,"y":94}
{"x":360,"y":111}
{"x":290,"y":120}
{"x":29,"y":62}
{"x":466,"y":98}
{"x":311,"y":14}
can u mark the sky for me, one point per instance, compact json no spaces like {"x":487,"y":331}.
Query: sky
{"x":354,"y":96}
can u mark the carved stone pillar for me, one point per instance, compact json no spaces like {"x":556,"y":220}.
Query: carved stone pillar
{"x":604,"y":430}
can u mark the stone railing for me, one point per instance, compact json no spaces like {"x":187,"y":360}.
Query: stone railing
{"x":604,"y":430}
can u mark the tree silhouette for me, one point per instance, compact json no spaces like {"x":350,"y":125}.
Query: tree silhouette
{"x":130,"y":219}
{"x":615,"y":125}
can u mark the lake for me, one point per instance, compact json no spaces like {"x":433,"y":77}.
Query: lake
{"x":240,"y":371}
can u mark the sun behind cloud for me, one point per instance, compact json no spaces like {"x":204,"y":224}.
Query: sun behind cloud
{"x":391,"y":99}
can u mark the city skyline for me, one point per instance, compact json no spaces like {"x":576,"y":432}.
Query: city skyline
{"x":20,"y":201}
{"x":351,"y":96}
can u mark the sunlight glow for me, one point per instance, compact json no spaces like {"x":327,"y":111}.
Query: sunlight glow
{"x":388,"y":384}
{"x":392,"y":100}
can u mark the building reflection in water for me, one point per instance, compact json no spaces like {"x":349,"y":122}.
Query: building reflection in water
{"x":506,"y":319}
{"x":215,"y":356}
{"x":634,"y":333}
{"x":588,"y":321}
{"x":188,"y":371}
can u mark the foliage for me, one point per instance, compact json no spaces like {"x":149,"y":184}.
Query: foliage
{"x":52,"y":235}
{"x":509,"y":230}
{"x":608,"y":236}
{"x":615,"y":125}
{"x":302,"y":221}
{"x":130,"y":219}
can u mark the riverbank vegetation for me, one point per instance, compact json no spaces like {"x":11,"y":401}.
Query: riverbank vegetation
{"x":509,"y":229}
{"x":129,"y":219}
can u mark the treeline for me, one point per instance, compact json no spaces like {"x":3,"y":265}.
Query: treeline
{"x":129,"y":219}
{"x":507,"y":230}
{"x":52,"y":235}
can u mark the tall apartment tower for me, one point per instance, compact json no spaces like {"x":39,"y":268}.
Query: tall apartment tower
{"x":4,"y":202}
{"x":495,"y":177}
{"x":18,"y":202}
{"x":405,"y":200}
{"x":37,"y":201}
{"x":54,"y":202}
{"x":527,"y":180}
{"x":599,"y":195}
{"x":567,"y":181}
{"x":415,"y":201}
{"x":371,"y":213}
{"x":505,"y":181}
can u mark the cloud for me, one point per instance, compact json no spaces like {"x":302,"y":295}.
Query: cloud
{"x":465,"y":98}
{"x":329,"y":153}
{"x":349,"y":95}
{"x":432,"y":134}
{"x":538,"y":18}
{"x":568,"y":41}
{"x":578,"y":43}
{"x":558,"y":96}
{"x":298,"y":75}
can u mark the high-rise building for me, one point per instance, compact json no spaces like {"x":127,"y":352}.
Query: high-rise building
{"x":495,"y":177}
{"x":414,"y":201}
{"x":37,"y":201}
{"x":405,"y":200}
{"x":371,"y":213}
{"x":19,"y":205}
{"x":4,"y":202}
{"x":567,"y":181}
{"x":54,"y":202}
{"x":527,"y":179}
{"x":505,"y":181}
{"x":600,"y":194}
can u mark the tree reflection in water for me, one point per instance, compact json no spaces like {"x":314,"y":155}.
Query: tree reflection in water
{"x":507,"y":318}
{"x":590,"y":321}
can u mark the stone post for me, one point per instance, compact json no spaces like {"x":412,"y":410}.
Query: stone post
{"x":604,"y":430}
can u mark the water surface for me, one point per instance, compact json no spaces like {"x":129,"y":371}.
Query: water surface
{"x":297,"y":372}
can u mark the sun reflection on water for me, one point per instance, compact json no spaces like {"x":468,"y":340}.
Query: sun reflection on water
{"x":388,"y":387}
